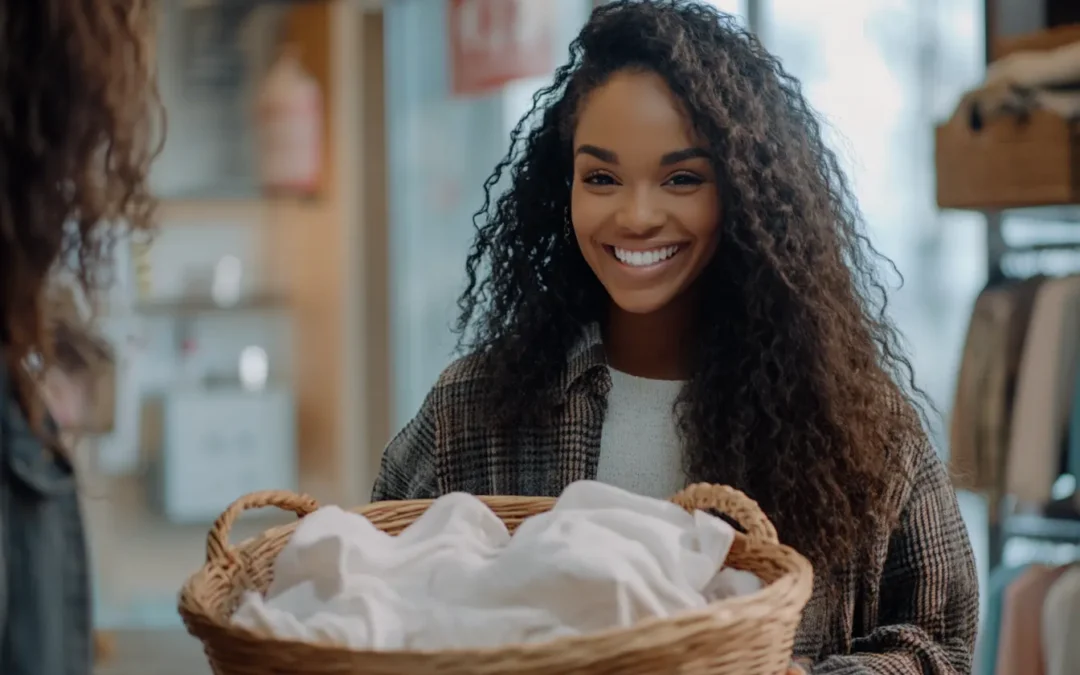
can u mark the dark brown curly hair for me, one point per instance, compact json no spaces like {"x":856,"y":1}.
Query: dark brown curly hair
{"x":77,"y":134}
{"x":801,"y":394}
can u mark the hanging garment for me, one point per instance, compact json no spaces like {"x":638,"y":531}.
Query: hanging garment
{"x":981,"y":417}
{"x":982,"y":349}
{"x":1072,"y":459}
{"x":1044,"y":391}
{"x":1020,"y":648}
{"x":1000,"y":580}
{"x":995,"y":424}
{"x":1061,"y":624}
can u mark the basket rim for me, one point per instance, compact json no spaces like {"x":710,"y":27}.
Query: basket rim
{"x":794,"y":585}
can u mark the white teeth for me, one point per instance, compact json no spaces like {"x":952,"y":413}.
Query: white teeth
{"x":644,"y":258}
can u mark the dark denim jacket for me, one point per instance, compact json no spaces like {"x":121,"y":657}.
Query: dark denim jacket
{"x":44,"y":576}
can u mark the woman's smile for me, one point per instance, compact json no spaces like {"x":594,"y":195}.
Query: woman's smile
{"x":645,"y":265}
{"x":649,"y":257}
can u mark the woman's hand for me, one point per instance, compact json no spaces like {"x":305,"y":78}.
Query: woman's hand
{"x":799,"y":667}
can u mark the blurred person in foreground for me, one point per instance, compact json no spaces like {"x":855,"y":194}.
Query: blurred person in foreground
{"x":76,"y":139}
{"x":672,"y":286}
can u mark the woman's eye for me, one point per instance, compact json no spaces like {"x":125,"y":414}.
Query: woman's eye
{"x":599,"y":179}
{"x":685,"y":180}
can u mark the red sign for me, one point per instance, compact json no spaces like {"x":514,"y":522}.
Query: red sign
{"x":494,"y":42}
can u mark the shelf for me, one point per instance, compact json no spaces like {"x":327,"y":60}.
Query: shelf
{"x":1031,"y":526}
{"x":196,"y":306}
{"x":211,"y":210}
{"x":1061,"y":213}
{"x":216,"y":211}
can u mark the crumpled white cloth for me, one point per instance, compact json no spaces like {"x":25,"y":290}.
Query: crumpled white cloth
{"x":601,"y":558}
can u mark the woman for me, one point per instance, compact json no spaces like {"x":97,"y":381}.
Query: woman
{"x":674,"y":289}
{"x":75,"y":143}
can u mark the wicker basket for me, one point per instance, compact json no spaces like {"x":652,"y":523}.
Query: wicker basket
{"x":747,"y":635}
{"x":1008,"y":164}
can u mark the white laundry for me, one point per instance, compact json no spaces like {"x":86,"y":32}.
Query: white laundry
{"x":601,"y":558}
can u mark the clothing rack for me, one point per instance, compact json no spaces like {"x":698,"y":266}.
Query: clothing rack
{"x":1006,"y":524}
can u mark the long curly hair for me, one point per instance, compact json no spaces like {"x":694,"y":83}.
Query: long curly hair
{"x":78,"y":130}
{"x":801,"y":393}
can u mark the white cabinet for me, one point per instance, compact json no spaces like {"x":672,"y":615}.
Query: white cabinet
{"x":218,"y":444}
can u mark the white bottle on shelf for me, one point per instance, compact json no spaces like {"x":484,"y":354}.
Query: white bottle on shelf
{"x":289,"y":116}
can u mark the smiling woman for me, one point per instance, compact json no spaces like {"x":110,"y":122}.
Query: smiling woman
{"x":676,"y":288}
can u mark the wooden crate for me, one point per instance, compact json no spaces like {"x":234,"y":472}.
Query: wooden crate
{"x":1009,"y":163}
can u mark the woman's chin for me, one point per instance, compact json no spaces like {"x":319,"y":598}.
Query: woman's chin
{"x":641,"y":302}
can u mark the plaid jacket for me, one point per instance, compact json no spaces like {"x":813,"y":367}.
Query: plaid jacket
{"x":917,"y":616}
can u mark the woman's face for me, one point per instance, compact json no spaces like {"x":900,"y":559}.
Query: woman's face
{"x":644,"y":204}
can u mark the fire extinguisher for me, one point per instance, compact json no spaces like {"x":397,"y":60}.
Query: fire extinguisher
{"x":289,"y":112}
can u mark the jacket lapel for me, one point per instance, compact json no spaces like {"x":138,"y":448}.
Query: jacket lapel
{"x":575,"y":438}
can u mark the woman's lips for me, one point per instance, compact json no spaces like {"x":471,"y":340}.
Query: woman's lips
{"x":644,"y":258}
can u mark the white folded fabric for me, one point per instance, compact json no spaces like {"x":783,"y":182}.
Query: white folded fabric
{"x":601,"y":558}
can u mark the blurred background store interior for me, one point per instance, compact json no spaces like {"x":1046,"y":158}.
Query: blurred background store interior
{"x":275,"y":334}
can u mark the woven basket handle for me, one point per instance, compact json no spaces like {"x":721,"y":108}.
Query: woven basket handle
{"x":732,"y":503}
{"x":218,"y":549}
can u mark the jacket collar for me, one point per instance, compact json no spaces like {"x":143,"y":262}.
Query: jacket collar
{"x":585,"y":357}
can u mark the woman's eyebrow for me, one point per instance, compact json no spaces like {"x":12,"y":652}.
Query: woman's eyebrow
{"x":609,"y":156}
{"x":601,"y":154}
{"x":683,"y":155}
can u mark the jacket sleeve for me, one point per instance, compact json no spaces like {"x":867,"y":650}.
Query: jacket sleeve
{"x":407,"y":470}
{"x":929,"y":596}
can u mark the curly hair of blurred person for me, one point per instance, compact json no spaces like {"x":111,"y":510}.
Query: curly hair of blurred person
{"x":801,"y":390}
{"x":78,"y":130}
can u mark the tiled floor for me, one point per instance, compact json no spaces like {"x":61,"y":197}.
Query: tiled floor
{"x":171,"y":652}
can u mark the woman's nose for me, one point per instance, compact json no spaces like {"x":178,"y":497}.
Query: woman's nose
{"x":641,"y":213}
